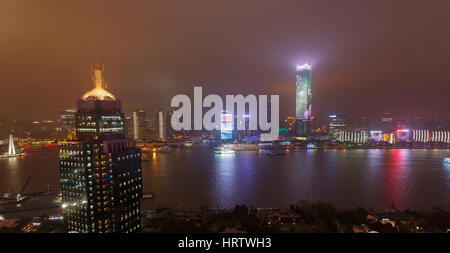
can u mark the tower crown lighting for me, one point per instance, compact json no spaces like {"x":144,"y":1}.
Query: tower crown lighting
{"x":99,"y":91}
{"x":304,"y":67}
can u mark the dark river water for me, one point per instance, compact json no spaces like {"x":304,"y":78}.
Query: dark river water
{"x":414,"y":179}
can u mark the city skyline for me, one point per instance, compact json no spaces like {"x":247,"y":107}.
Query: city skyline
{"x":379,"y":64}
{"x":224,"y":118}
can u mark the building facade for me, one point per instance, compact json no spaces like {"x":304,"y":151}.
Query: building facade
{"x":100,"y":171}
{"x":303,"y":97}
{"x":67,"y":124}
{"x":337,"y":124}
{"x":139,"y":125}
{"x":160,"y":126}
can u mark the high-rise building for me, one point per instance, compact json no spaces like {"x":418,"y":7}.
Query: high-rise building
{"x":139,"y":125}
{"x":337,"y":124}
{"x":100,"y":171}
{"x":387,"y":122}
{"x":170,"y":132}
{"x":129,"y":133}
{"x":226,"y":126}
{"x":387,"y":118}
{"x":11,"y":148}
{"x":67,"y":118}
{"x":303,"y":100}
{"x":289,"y":123}
{"x":160,"y":126}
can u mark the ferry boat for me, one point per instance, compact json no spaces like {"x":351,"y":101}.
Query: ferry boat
{"x":224,"y":151}
{"x":273,"y":152}
{"x":16,"y":200}
{"x":6,"y":155}
{"x":278,"y":152}
{"x":148,"y":195}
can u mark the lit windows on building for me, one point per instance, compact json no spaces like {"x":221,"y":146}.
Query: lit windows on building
{"x":226,"y":126}
{"x":353,"y":136}
{"x":303,"y":96}
{"x":100,"y":172}
{"x":337,"y":124}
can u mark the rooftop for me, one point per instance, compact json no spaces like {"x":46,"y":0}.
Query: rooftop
{"x":99,"y":91}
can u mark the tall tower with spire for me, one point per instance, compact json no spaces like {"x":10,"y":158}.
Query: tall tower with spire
{"x":101,"y":174}
{"x":11,"y":150}
{"x":99,"y":91}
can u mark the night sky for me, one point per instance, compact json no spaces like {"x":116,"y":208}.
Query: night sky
{"x":368,"y":57}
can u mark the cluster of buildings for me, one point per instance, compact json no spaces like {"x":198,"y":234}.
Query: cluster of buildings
{"x":387,"y":130}
{"x":142,"y":126}
{"x":100,"y":166}
{"x":138,"y":126}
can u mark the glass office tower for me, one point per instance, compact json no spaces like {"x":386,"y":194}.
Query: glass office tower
{"x":303,"y":100}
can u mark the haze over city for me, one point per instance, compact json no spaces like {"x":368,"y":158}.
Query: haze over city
{"x":368,"y":57}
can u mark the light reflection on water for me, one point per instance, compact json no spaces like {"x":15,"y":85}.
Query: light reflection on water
{"x":415,"y":179}
{"x":224,"y":186}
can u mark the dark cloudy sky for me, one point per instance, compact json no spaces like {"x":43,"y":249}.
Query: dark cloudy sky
{"x":368,"y":57}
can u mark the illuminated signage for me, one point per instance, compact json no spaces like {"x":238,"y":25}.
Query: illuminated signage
{"x":403,"y":134}
{"x":303,"y":92}
{"x":226,"y":126}
{"x":376,"y":136}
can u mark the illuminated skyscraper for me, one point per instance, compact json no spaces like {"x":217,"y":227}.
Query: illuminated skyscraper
{"x":100,"y":171}
{"x":336,"y":125}
{"x":160,"y":125}
{"x":226,"y":126}
{"x":303,"y":100}
{"x":387,"y":122}
{"x":170,"y":132}
{"x":67,"y":118}
{"x":11,"y":149}
{"x":139,"y":124}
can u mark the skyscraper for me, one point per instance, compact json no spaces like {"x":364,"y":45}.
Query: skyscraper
{"x":160,"y":125}
{"x":67,"y":118}
{"x":11,"y":148}
{"x":139,"y":124}
{"x":170,"y":132}
{"x":129,"y":132}
{"x":100,"y":171}
{"x":303,"y":100}
{"x":387,"y":122}
{"x":226,"y":126}
{"x":336,"y":125}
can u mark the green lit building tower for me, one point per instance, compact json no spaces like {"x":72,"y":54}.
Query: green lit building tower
{"x":100,"y":171}
{"x":303,"y":100}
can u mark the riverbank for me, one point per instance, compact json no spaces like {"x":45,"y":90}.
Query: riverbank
{"x":302,"y":218}
{"x":305,"y":218}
